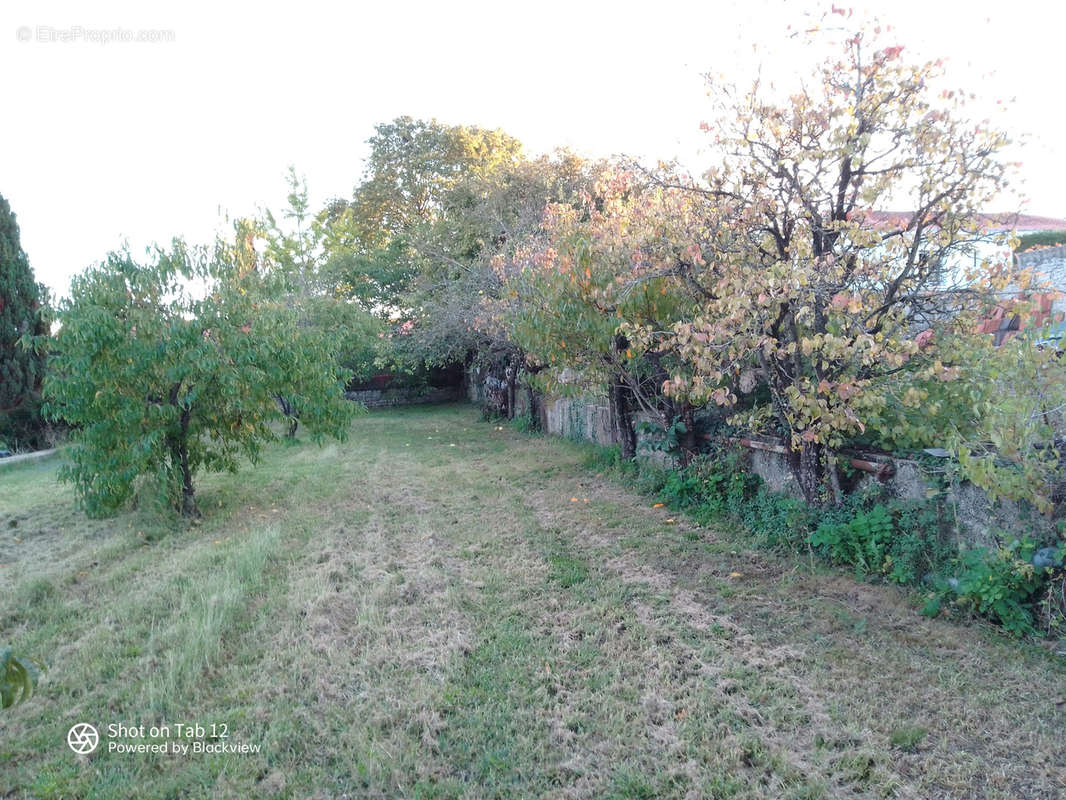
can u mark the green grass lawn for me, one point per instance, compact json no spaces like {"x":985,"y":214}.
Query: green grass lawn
{"x":438,"y":608}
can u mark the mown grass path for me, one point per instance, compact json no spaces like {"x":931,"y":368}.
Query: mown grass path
{"x":440,"y":608}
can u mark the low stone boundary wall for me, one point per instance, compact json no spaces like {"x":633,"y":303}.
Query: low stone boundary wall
{"x":388,"y":398}
{"x":977,"y":519}
{"x":22,"y":458}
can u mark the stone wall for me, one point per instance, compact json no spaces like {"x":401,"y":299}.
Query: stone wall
{"x":1049,"y":266}
{"x":1043,"y":259}
{"x":577,"y":418}
{"x":386,"y":398}
{"x":979,"y":520}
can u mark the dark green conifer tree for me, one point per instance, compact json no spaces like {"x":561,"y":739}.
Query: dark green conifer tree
{"x":22,"y":311}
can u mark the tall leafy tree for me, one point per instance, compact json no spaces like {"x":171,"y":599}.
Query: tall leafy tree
{"x":23,"y":304}
{"x":412,"y":171}
{"x":597,"y":271}
{"x":160,"y":383}
{"x":457,"y":291}
{"x":294,"y":261}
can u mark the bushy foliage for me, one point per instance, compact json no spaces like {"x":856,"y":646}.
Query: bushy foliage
{"x":1000,"y":416}
{"x":902,"y":541}
{"x":388,"y":234}
{"x":1030,"y":241}
{"x":297,"y":267}
{"x":159,"y":382}
{"x":1002,"y":584}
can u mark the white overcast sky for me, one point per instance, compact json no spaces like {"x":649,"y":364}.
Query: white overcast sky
{"x":143,"y":141}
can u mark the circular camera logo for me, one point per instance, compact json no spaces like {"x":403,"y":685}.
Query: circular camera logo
{"x":83,"y":738}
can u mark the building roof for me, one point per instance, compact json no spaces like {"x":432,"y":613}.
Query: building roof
{"x":992,"y":221}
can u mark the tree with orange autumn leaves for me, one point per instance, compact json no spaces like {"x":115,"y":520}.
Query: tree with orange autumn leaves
{"x":774,"y":273}
{"x":825,"y":298}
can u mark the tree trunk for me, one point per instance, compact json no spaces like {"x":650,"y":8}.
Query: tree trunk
{"x":534,"y":412}
{"x":179,"y":461}
{"x":622,"y":420}
{"x":179,"y":455}
{"x":689,"y":443}
{"x":808,"y":471}
{"x":286,"y":409}
{"x":495,"y":391}
{"x":512,"y":388}
{"x":834,"y":477}
{"x":188,"y":499}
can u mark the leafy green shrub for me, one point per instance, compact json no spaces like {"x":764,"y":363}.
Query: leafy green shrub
{"x":524,"y":423}
{"x":665,"y":440}
{"x":778,"y":521}
{"x":919,"y":548}
{"x":900,"y":540}
{"x":863,"y":541}
{"x":1000,"y":584}
{"x":161,"y":384}
{"x":719,"y":485}
{"x":682,"y":489}
{"x":1027,"y":241}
